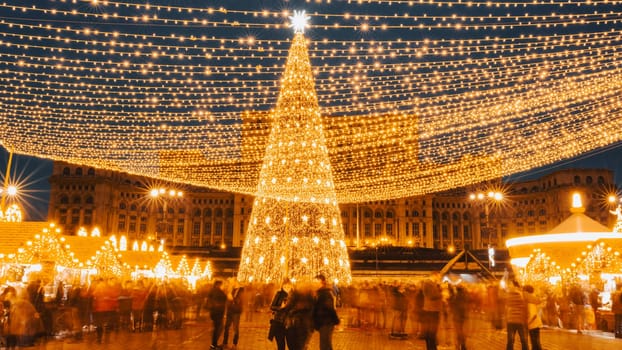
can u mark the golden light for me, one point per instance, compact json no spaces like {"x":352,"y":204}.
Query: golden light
{"x":12,"y":190}
{"x":576,"y":200}
{"x":295,"y":193}
{"x":299,"y":21}
{"x":402,"y":115}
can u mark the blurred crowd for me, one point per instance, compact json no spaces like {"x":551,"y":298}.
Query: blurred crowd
{"x":430,"y":308}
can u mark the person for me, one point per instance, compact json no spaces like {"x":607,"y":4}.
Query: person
{"x":616,"y":308}
{"x":577,"y":298}
{"x":324,"y":313}
{"x":594,"y":299}
{"x":432,"y":307}
{"x":234,"y":311}
{"x":299,"y":319}
{"x":105,"y":305}
{"x":534,"y":322}
{"x":400,"y":311}
{"x":516,"y":316}
{"x":217,"y":302}
{"x":138,"y":294}
{"x":279,"y":313}
{"x":23,"y":321}
{"x":459,"y":304}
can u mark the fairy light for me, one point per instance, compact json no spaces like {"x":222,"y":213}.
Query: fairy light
{"x":296,"y":153}
{"x":481,"y":90}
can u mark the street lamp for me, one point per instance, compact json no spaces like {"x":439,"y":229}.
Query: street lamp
{"x":164,"y":194}
{"x":486,"y":198}
{"x":11,"y":212}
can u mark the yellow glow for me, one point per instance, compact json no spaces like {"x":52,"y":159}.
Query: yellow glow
{"x":296,"y":183}
{"x":402,"y":115}
{"x":576,"y":200}
{"x":519,"y":262}
{"x":561,"y":238}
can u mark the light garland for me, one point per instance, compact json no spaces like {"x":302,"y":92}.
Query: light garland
{"x":415,"y":96}
{"x":295,"y":229}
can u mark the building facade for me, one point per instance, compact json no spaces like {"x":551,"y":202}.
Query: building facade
{"x":121,"y":204}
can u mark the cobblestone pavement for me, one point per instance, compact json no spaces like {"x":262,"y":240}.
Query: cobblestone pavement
{"x":253,"y":335}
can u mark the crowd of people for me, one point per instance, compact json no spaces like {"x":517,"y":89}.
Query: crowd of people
{"x":431,"y":309}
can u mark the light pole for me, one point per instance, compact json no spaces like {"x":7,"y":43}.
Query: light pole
{"x":485,"y":199}
{"x":10,"y":213}
{"x":164,"y":195}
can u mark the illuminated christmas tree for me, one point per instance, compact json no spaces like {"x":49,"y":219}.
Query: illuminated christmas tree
{"x":295,"y":227}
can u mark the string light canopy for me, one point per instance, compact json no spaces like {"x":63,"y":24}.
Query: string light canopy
{"x":414,"y":96}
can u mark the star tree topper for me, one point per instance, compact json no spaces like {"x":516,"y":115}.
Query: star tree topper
{"x":300,"y":21}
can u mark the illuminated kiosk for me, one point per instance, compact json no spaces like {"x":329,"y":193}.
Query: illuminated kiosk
{"x":578,"y":250}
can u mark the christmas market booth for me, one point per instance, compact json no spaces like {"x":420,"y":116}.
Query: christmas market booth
{"x":578,"y":254}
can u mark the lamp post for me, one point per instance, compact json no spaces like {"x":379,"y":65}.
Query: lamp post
{"x":164,"y":194}
{"x":11,"y":212}
{"x":485,"y":199}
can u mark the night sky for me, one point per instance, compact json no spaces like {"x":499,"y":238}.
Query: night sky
{"x":260,"y":89}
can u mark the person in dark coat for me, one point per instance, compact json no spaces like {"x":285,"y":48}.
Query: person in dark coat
{"x":234,"y":311}
{"x":459,"y":304}
{"x":516,"y":315}
{"x":432,"y":307}
{"x":279,"y":314}
{"x":324,"y":314}
{"x":217,"y":302}
{"x":299,"y":320}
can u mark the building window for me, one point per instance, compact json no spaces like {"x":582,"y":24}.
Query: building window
{"x":180,"y":226}
{"x":66,"y":171}
{"x":367,"y":229}
{"x":196,"y":228}
{"x":367,"y":214}
{"x":390,"y":214}
{"x":75,"y":216}
{"x":132,"y":227}
{"x":378,"y":214}
{"x":218,"y":212}
{"x":64,"y":199}
{"x":207,"y":213}
{"x":122,"y":206}
{"x":577,"y":179}
{"x":121,"y":225}
{"x":88,"y":217}
{"x":467,"y":232}
{"x":218,"y":232}
{"x":79,"y":172}
{"x":416,"y":229}
{"x":378,"y":229}
{"x":389,"y":229}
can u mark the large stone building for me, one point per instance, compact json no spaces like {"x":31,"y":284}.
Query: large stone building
{"x":118,"y":203}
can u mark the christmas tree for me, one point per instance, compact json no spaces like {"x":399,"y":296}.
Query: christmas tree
{"x":295,"y":227}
